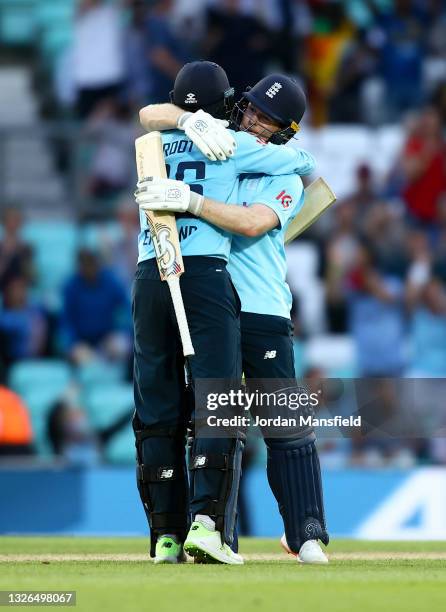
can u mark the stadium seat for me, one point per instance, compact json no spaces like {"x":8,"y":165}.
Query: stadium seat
{"x":334,"y":354}
{"x":17,"y":22}
{"x":40,"y":383}
{"x":299,"y":362}
{"x":302,"y":260}
{"x":106,"y":403}
{"x":102,"y":236}
{"x":55,"y":246}
{"x":98,"y":372}
{"x":121,"y":448}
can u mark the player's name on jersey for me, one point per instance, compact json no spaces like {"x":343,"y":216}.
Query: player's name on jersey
{"x":177,"y":146}
{"x":279,"y":421}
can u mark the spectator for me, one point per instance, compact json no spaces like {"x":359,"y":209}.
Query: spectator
{"x":23,"y":324}
{"x":341,"y":251}
{"x":74,"y":439}
{"x":325,"y":47}
{"x":16,"y":435}
{"x":357,"y":64}
{"x":98,"y":54}
{"x":125,"y":253}
{"x":427,"y":300}
{"x":95,"y":313}
{"x":15,"y":255}
{"x":138,"y":77}
{"x":166,"y":54}
{"x":238,"y":42}
{"x":112,"y":168}
{"x":384,"y":227}
{"x":403,"y":27}
{"x":376,"y":317}
{"x":423,"y":164}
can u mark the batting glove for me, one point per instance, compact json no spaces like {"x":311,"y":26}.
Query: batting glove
{"x":208,"y":134}
{"x":168,"y":195}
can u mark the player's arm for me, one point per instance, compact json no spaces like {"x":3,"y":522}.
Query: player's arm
{"x":274,"y":208}
{"x":251,"y":221}
{"x":160,"y":117}
{"x":208,"y":134}
{"x":254,"y":156}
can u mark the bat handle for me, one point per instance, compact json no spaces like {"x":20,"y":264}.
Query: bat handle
{"x":177,"y":299}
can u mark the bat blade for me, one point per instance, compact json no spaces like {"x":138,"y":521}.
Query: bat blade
{"x":162,"y":225}
{"x":318,"y":197}
{"x":164,"y":232}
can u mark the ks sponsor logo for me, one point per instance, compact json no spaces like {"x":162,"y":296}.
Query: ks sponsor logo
{"x":284,"y":198}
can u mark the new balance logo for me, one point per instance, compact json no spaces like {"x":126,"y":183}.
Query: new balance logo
{"x":190,"y":99}
{"x":273,"y":90}
{"x":166,"y":474}
{"x":270,"y":354}
{"x":200,"y":461}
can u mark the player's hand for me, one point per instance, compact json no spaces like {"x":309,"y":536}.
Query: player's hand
{"x":167,"y":195}
{"x":208,"y":134}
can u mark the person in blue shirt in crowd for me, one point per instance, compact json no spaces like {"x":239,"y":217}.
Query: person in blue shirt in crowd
{"x":164,"y":51}
{"x":93,"y":318}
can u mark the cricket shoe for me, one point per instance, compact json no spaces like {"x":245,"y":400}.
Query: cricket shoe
{"x":310,"y":552}
{"x":204,"y":544}
{"x":169,"y":550}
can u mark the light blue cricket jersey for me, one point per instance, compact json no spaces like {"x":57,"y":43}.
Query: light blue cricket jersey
{"x":216,"y":180}
{"x":258,"y":265}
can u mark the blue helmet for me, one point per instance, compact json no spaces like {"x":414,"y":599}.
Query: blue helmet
{"x":280,"y":98}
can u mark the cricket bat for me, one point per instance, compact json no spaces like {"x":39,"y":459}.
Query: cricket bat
{"x":318,"y":197}
{"x":164,"y":233}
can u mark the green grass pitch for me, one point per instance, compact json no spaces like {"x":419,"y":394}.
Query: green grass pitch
{"x":111,"y":574}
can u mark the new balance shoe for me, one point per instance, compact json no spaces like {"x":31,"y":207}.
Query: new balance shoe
{"x":203,"y":543}
{"x":169,"y":550}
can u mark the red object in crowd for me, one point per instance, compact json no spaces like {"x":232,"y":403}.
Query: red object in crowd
{"x":15,"y":424}
{"x":422,"y":194}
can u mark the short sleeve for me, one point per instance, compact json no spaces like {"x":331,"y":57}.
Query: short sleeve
{"x":284,"y":195}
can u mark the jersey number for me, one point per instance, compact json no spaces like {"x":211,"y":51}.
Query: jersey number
{"x":200,"y":173}
{"x":198,"y":167}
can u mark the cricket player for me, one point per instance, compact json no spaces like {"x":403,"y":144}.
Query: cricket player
{"x":212,"y":307}
{"x":271,"y":110}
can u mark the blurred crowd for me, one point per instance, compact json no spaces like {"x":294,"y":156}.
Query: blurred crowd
{"x":359,"y":60}
{"x":381,"y":250}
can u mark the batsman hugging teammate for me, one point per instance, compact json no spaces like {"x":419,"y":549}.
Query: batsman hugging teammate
{"x":212,"y":307}
{"x":271,"y":110}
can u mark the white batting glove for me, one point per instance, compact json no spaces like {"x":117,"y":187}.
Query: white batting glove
{"x":168,"y":195}
{"x":208,"y":134}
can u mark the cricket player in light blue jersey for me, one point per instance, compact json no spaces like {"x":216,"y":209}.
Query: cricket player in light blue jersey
{"x":212,"y":308}
{"x":271,"y":110}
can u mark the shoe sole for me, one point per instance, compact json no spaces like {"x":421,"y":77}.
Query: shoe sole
{"x":204,"y":555}
{"x":170,"y":560}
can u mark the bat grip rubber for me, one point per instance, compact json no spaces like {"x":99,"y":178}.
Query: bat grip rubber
{"x":177,"y":299}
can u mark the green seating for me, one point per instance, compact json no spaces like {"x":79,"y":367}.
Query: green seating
{"x":106,"y":403}
{"x":55,"y":246}
{"x":96,"y":373}
{"x":121,"y":448}
{"x":40,"y":383}
{"x":17,"y":23}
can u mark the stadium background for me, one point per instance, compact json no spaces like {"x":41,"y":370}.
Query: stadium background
{"x":368,"y":278}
